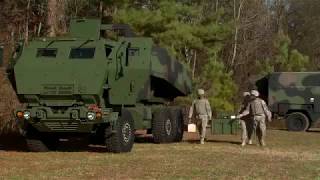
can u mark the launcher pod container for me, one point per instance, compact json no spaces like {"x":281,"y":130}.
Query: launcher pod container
{"x":294,"y":96}
{"x":88,"y":83}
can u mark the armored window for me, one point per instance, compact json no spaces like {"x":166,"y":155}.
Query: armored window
{"x":108,"y":50}
{"x":120,"y":32}
{"x":82,"y":53}
{"x":133,"y":52}
{"x":45,"y":52}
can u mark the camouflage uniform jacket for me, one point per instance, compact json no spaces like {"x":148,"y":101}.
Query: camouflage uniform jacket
{"x":201,"y":108}
{"x":256,"y":107}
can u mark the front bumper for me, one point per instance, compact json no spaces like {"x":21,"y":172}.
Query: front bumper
{"x":57,"y":126}
{"x":74,"y":119}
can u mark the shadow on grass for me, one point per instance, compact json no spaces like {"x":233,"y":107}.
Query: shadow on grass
{"x":17,"y":143}
{"x":144,"y":139}
{"x":213,"y":141}
{"x":317,"y":130}
{"x":12,"y":142}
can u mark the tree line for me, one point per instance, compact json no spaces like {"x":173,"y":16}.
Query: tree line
{"x":227,"y":44}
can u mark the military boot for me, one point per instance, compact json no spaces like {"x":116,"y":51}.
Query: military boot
{"x":261,"y":143}
{"x":202,"y":141}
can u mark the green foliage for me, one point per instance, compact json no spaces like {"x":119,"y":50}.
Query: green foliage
{"x":220,"y":85}
{"x":304,"y":24}
{"x":265,"y":67}
{"x":286,"y":59}
{"x":179,"y":26}
{"x":298,"y":61}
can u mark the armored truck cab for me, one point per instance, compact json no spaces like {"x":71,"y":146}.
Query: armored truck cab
{"x":86,"y":83}
{"x":296,"y":96}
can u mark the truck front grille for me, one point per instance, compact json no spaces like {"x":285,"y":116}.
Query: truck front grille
{"x":62,"y":126}
{"x":57,"y":89}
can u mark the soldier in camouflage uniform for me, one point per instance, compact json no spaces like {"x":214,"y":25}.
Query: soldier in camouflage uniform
{"x":203,"y":113}
{"x":246,"y":122}
{"x":258,"y":109}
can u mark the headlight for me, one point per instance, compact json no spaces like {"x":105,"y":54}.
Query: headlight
{"x":26,"y":115}
{"x":91,"y":116}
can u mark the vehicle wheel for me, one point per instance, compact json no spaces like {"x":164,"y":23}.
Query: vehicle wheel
{"x":122,"y":138}
{"x":176,"y":115}
{"x":163,"y":127}
{"x":34,"y":143}
{"x":297,"y":122}
{"x":50,"y":141}
{"x":99,"y":137}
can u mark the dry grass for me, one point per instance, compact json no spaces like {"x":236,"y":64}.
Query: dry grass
{"x":288,"y":156}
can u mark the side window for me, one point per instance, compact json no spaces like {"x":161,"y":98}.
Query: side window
{"x":82,"y":53}
{"x":47,"y":52}
{"x":120,"y":32}
{"x":131,"y":53}
{"x":108,"y":50}
{"x":134,"y":52}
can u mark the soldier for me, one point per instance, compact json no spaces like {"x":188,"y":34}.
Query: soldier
{"x":246,"y":122}
{"x":258,"y":109}
{"x":203,"y":113}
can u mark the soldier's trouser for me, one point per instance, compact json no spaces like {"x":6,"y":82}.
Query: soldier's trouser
{"x":202,"y":125}
{"x":247,"y":129}
{"x":260,"y":127}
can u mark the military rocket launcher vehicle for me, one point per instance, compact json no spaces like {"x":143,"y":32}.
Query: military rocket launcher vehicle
{"x":87,"y":83}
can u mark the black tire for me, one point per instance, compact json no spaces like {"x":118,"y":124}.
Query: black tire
{"x":164,"y":127}
{"x":34,"y":142}
{"x":297,"y":121}
{"x":50,"y":141}
{"x":99,"y":137}
{"x":122,"y":138}
{"x":176,"y":115}
{"x":36,"y":145}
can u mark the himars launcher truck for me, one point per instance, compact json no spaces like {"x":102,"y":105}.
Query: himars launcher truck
{"x":87,"y":83}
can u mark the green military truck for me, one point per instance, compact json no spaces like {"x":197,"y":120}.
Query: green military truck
{"x":88,"y":83}
{"x":295,"y":96}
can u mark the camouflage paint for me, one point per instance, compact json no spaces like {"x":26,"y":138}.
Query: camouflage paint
{"x":295,"y":92}
{"x":59,"y":79}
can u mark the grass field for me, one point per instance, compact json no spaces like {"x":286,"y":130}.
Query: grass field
{"x":287,"y":156}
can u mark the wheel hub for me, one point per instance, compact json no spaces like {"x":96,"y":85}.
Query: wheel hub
{"x":126,"y":132}
{"x":298,"y":123}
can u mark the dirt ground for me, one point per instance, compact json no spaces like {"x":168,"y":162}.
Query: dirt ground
{"x":288,"y":155}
